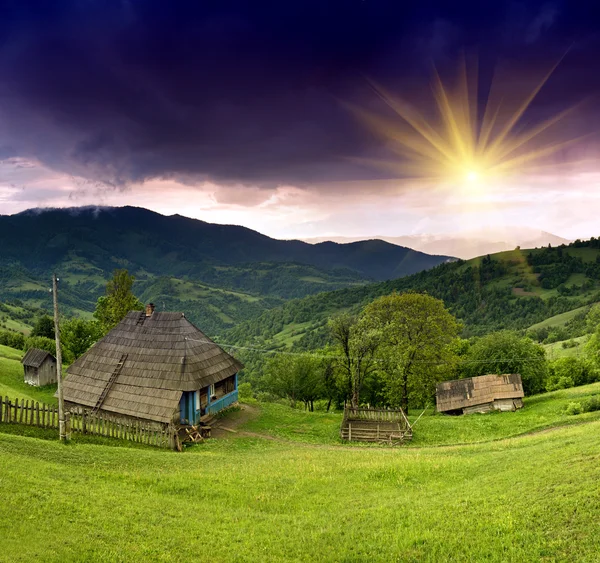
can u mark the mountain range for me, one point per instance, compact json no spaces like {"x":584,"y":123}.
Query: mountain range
{"x":465,"y":244}
{"x":221,"y":273}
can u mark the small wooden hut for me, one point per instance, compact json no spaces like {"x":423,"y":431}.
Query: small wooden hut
{"x":375,"y":425}
{"x":40,"y":367}
{"x":480,"y":394}
{"x":154,"y":366}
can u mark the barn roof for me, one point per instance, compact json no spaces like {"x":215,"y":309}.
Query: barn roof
{"x":461,"y":393}
{"x":154,"y":359}
{"x":35,"y":357}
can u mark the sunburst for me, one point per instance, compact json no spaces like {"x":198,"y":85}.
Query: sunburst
{"x":464,"y":142}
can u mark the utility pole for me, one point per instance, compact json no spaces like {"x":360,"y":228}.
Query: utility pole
{"x":62,"y":429}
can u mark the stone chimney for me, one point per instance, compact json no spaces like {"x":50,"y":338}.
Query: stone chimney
{"x":149,"y":309}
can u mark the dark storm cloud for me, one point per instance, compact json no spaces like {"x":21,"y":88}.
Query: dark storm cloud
{"x":246,"y":92}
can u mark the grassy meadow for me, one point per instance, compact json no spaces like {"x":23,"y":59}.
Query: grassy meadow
{"x":501,"y":487}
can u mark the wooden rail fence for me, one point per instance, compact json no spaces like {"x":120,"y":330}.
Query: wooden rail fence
{"x":83,"y":421}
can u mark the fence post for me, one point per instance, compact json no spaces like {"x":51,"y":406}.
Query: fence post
{"x":83,"y":421}
{"x":67,"y":425}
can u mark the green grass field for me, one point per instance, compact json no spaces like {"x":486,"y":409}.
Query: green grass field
{"x":559,"y":320}
{"x":532,"y":498}
{"x":519,"y":486}
{"x":556,"y":350}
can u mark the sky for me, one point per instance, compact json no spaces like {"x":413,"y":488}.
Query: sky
{"x":253,"y":113}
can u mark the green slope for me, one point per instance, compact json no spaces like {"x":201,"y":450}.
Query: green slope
{"x":514,"y":289}
{"x":527,"y":498}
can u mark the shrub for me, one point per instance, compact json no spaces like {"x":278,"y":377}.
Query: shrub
{"x":245,"y":391}
{"x":42,"y":343}
{"x":592,"y":404}
{"x":12,"y":339}
{"x":570,"y":372}
{"x":562,"y":382}
{"x":574,"y":408}
{"x":589,"y":405}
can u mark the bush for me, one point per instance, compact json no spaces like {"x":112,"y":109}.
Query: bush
{"x":592,"y":404}
{"x":245,"y":391}
{"x":562,"y":382}
{"x":42,"y":343}
{"x":570,"y":372}
{"x":589,"y":405}
{"x":12,"y":339}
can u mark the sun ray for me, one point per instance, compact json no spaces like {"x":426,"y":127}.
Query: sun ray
{"x":458,"y":146}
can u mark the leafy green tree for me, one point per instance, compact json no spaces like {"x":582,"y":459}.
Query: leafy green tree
{"x":592,"y":348}
{"x":295,"y":378}
{"x":570,"y":372}
{"x":592,"y":319}
{"x":507,"y":352}
{"x":356,"y":345}
{"x":44,"y":326}
{"x":118,"y":301}
{"x":42,"y":343}
{"x":77,"y":335}
{"x":417,"y":336}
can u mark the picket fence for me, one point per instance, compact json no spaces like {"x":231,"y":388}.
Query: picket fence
{"x":79,"y":420}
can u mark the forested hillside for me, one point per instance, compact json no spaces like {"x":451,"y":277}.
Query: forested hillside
{"x":219,"y":274}
{"x":513,"y":289}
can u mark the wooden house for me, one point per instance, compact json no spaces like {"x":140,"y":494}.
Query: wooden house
{"x":154,"y":366}
{"x":480,"y":394}
{"x":40,"y":367}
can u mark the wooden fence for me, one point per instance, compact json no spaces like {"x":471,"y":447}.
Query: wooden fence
{"x":82,"y":421}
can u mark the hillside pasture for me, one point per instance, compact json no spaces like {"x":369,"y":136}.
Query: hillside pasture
{"x":528,"y":498}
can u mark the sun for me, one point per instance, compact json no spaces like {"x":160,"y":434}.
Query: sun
{"x":472,"y":176}
{"x":463,"y":140}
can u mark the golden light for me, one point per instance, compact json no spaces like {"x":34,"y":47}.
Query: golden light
{"x":464,"y":140}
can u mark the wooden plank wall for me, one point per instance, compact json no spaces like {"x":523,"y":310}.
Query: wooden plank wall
{"x":79,"y":420}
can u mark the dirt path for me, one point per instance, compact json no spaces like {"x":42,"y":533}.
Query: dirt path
{"x":228,"y":426}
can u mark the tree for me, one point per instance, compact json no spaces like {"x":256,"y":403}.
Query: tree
{"x":357,"y":344}
{"x":118,"y":301}
{"x":570,"y":372}
{"x":592,"y":319}
{"x":296,"y":378}
{"x":507,"y":352}
{"x":44,"y":326}
{"x":77,"y":335}
{"x":416,"y":335}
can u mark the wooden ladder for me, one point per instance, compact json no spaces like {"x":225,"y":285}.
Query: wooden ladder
{"x":109,"y":384}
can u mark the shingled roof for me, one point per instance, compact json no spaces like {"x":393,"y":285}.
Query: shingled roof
{"x":471,"y":391}
{"x":35,"y":357}
{"x":156,"y":358}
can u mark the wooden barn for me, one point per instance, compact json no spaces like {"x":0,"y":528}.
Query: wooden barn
{"x":40,"y":367}
{"x":480,"y":394}
{"x":154,"y":366}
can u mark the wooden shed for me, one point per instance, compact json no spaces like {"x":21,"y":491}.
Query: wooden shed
{"x":40,"y":367}
{"x":154,"y":366}
{"x":375,"y":425}
{"x":480,"y":394}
